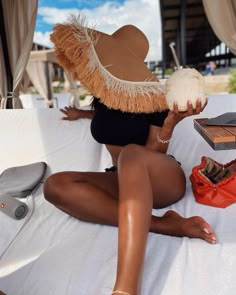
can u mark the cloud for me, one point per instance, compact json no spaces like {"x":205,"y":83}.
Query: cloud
{"x":108,"y":17}
{"x":43,"y":39}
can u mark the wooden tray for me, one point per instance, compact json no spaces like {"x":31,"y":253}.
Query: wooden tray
{"x":218,"y":137}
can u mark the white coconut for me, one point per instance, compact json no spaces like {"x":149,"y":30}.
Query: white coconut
{"x":185,"y":85}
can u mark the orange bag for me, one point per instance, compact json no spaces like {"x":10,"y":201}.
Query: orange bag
{"x":214,"y":184}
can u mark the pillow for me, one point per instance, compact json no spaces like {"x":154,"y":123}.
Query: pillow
{"x":20,"y":181}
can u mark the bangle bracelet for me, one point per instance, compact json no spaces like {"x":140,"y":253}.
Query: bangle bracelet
{"x":162,"y":140}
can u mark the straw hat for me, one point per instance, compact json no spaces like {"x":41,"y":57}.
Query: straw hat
{"x":111,"y":67}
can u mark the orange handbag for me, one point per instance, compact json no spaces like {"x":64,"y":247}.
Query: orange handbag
{"x":214,"y":184}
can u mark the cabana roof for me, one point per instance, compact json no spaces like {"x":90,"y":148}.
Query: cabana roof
{"x":185,"y":23}
{"x":43,"y":55}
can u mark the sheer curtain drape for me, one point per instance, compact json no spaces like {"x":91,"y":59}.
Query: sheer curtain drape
{"x":70,"y":85}
{"x":221,"y":15}
{"x":3,"y":80}
{"x":25,"y":83}
{"x":41,"y":74}
{"x":19,"y":20}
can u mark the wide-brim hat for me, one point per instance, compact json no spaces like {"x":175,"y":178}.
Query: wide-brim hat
{"x":111,"y":67}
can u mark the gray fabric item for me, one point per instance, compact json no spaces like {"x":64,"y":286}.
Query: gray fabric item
{"x":20,"y":181}
{"x":226,"y":119}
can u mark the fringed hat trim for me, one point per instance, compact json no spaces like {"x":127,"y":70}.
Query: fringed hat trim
{"x":75,"y":51}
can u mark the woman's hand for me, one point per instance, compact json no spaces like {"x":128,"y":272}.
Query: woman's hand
{"x":70,"y":113}
{"x":175,"y":116}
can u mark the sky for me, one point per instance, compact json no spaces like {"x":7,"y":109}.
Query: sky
{"x":105,"y":15}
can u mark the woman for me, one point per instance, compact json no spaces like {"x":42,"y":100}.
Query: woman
{"x":137,"y":137}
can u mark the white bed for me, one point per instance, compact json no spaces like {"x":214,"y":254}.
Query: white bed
{"x":50,"y":253}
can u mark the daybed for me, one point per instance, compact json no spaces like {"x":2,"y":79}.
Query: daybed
{"x":51,"y":253}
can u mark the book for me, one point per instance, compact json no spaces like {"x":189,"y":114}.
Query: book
{"x":226,"y":119}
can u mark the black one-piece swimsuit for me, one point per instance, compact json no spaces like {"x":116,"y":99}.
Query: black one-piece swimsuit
{"x":115,"y":127}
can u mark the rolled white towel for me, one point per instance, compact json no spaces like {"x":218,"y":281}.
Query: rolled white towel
{"x":185,"y":85}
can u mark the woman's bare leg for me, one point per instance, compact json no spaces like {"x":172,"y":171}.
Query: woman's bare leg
{"x":93,"y":197}
{"x":142,"y":184}
{"x":153,"y":180}
{"x":135,"y":208}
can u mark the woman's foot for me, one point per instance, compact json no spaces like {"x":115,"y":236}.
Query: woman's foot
{"x":192,"y":227}
{"x":117,"y":292}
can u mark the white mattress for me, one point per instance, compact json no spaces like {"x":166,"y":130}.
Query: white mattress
{"x":51,"y":253}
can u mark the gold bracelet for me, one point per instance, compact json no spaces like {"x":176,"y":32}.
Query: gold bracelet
{"x":162,"y":140}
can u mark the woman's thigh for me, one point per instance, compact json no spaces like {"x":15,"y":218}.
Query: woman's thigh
{"x":63,"y":181}
{"x":168,"y":180}
{"x":165,"y":173}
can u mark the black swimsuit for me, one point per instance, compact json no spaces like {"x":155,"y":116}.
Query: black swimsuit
{"x":115,"y":127}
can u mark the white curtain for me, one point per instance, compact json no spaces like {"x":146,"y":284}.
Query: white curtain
{"x":3,"y":80}
{"x":70,"y":85}
{"x":41,"y":74}
{"x":19,"y":20}
{"x":221,"y":15}
{"x":25,"y":83}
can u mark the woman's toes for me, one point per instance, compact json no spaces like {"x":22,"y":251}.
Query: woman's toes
{"x":192,"y":227}
{"x":210,"y":238}
{"x":207,"y":233}
{"x":207,"y":229}
{"x":197,"y":227}
{"x":210,"y":241}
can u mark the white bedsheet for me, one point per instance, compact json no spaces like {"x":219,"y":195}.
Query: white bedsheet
{"x":55,"y":254}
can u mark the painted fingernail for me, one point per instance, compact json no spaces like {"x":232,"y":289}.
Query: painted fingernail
{"x":206,"y":231}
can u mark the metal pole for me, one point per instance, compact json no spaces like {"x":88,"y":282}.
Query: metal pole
{"x":172,"y":44}
{"x":6,"y":57}
{"x":163,"y":41}
{"x":183,"y":31}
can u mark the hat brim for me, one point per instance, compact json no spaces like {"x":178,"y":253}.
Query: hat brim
{"x":75,"y":50}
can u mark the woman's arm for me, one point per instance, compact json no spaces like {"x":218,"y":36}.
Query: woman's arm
{"x":159,"y":138}
{"x":72,"y":114}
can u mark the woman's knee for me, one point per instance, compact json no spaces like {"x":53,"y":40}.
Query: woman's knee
{"x":132,"y":154}
{"x":56,"y":187}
